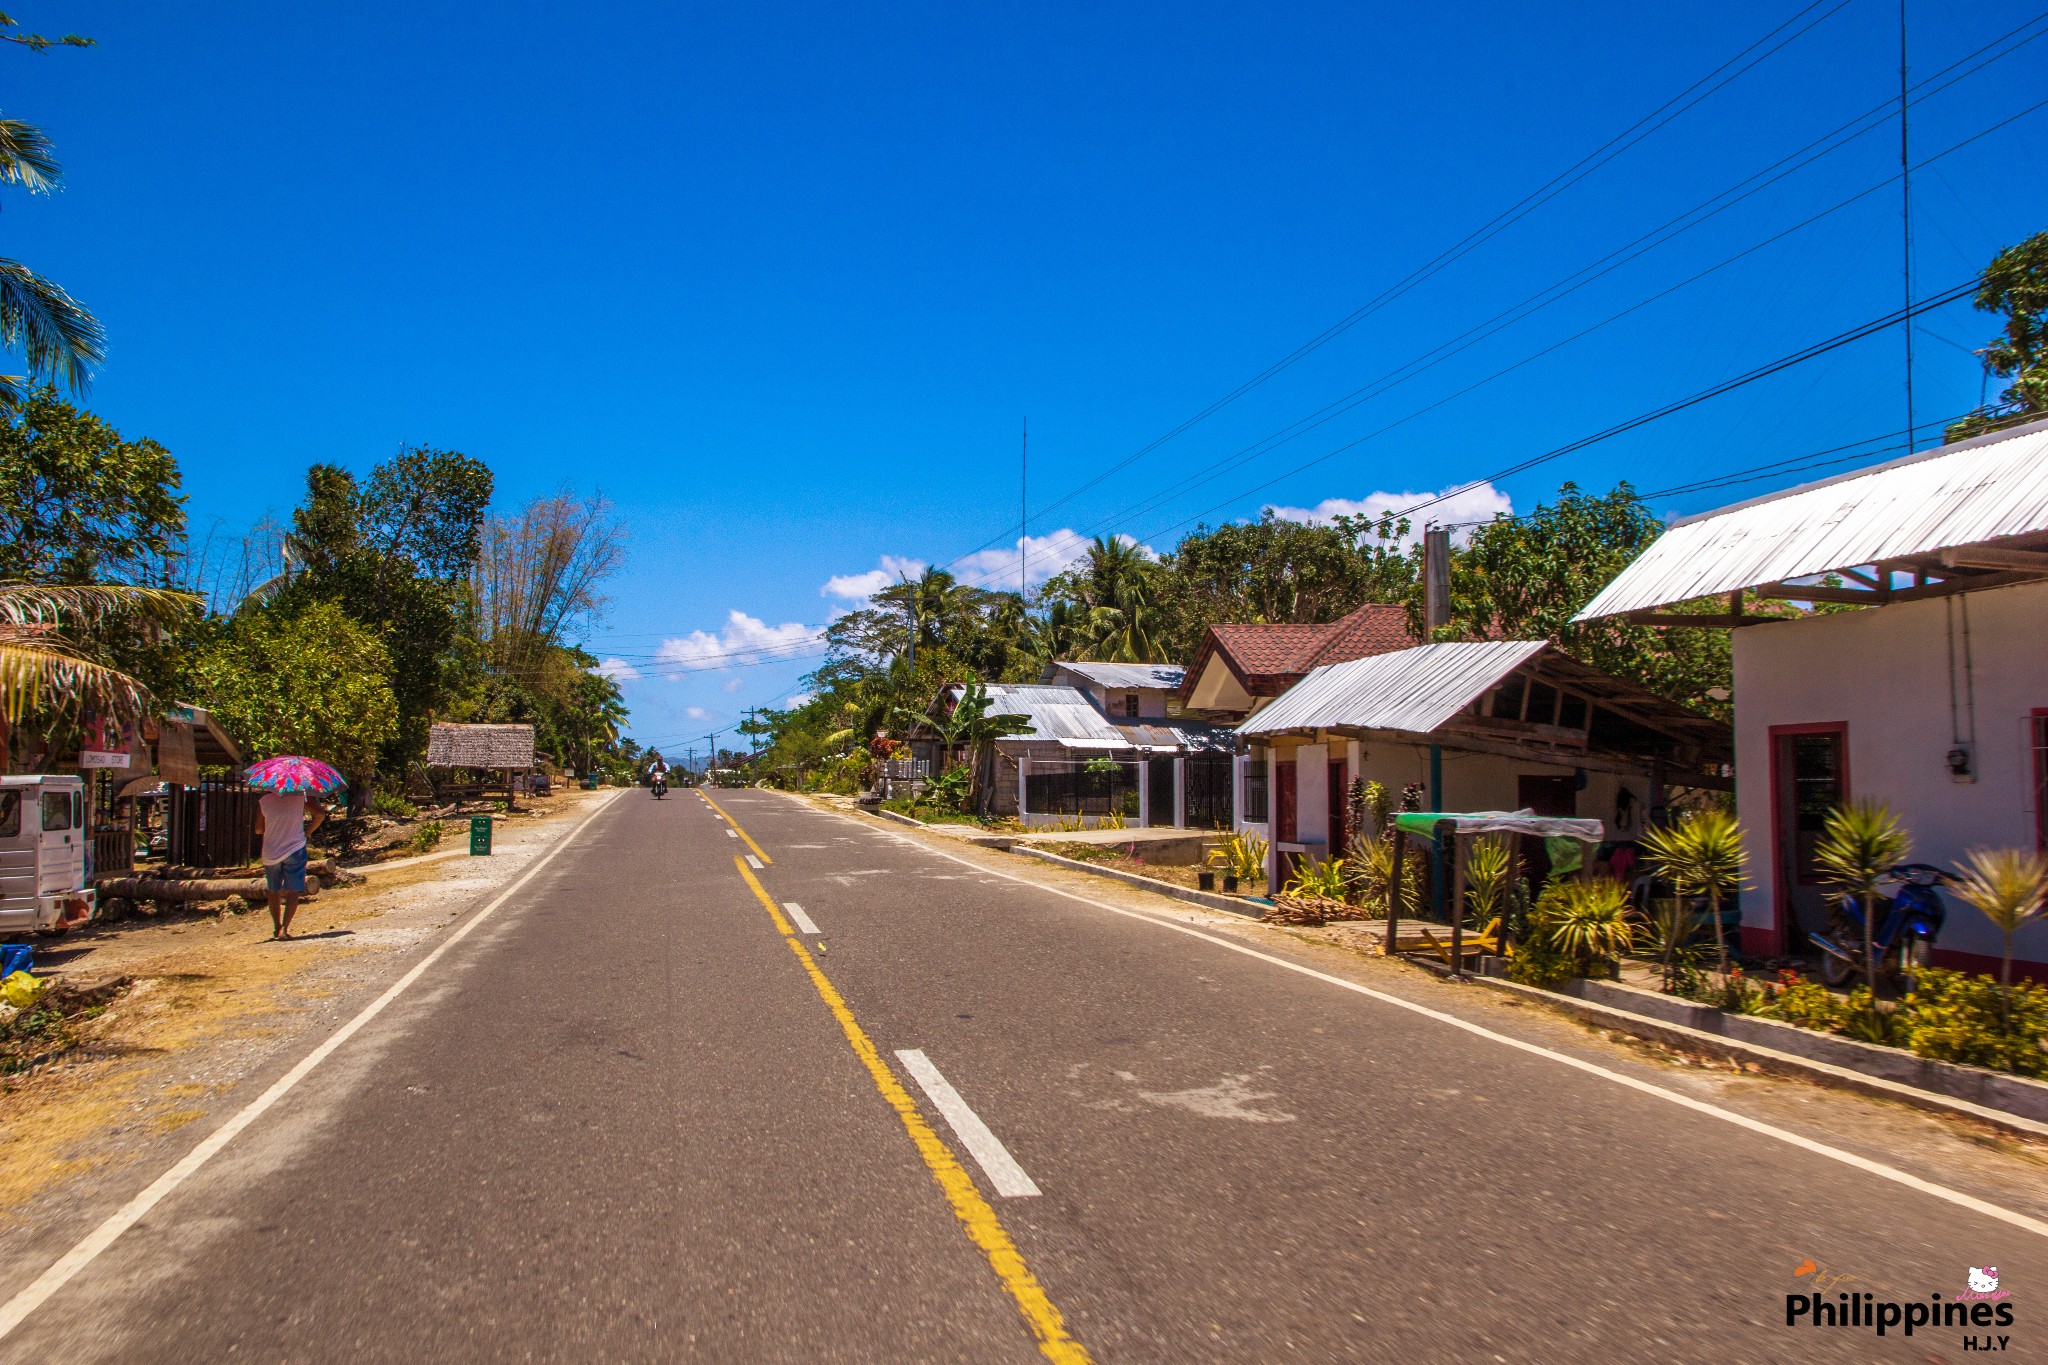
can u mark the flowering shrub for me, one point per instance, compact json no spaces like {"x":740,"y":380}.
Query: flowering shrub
{"x":1954,"y":1017}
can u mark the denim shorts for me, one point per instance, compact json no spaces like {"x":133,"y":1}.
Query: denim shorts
{"x":289,"y":875}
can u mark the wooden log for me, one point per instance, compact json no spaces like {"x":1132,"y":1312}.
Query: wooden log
{"x":157,"y":889}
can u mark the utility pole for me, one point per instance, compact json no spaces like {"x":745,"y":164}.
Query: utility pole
{"x":1436,"y":580}
{"x":1024,"y":509}
{"x":1906,"y":227}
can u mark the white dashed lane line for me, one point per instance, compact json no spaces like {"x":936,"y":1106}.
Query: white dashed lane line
{"x":995,"y":1160}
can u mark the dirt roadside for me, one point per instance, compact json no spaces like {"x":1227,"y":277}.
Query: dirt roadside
{"x":213,"y":1001}
{"x":1983,"y":1161}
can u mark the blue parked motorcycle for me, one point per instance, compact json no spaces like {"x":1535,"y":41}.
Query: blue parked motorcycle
{"x":1908,"y":923}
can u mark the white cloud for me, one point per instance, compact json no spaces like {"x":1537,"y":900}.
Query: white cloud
{"x":744,"y":640}
{"x":859,"y":587}
{"x":795,"y":700}
{"x":616,"y":669}
{"x":734,"y":684}
{"x":1044,"y":556}
{"x":695,"y":712}
{"x":1481,"y":502}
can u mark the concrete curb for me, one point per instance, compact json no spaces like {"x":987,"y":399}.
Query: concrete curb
{"x":1209,"y":899}
{"x":1972,"y":1084}
{"x":900,"y":818}
{"x":1699,"y":1042}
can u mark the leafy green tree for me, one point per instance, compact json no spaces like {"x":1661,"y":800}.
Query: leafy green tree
{"x":2015,"y":284}
{"x":395,"y":553}
{"x":1279,"y":571}
{"x":1525,"y":577}
{"x":79,"y":503}
{"x":307,"y":681}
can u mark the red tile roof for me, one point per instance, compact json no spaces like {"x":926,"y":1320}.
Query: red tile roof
{"x":1269,"y":659}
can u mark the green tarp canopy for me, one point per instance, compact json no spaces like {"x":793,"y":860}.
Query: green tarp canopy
{"x":1424,"y":823}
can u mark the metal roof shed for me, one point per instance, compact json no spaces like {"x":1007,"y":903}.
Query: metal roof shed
{"x":1520,"y":698}
{"x":1966,"y":516}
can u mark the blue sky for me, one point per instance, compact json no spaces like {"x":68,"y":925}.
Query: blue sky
{"x":783,"y":280}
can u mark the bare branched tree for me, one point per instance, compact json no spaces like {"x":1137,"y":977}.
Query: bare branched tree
{"x":540,"y":573}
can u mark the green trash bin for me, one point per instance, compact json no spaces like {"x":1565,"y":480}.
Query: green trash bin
{"x":479,"y":836}
{"x":590,"y":782}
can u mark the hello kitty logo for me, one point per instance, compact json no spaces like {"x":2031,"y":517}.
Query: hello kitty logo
{"x":1984,"y":1284}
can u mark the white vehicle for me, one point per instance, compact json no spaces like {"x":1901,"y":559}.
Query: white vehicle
{"x":43,"y":853}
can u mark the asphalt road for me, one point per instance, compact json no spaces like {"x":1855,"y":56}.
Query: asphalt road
{"x":640,"y":1114}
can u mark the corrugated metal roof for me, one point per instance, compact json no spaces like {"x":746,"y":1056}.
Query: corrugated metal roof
{"x":1191,"y":736}
{"x":1411,"y":689}
{"x":1055,"y":712}
{"x":1977,"y":490}
{"x":1127,"y":675}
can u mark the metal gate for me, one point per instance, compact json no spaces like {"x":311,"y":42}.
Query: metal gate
{"x":1111,"y":789}
{"x":213,"y":824}
{"x":1209,"y":796}
{"x":1159,"y":791}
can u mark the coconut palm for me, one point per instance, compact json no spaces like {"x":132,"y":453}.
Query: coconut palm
{"x":1859,"y":844}
{"x":44,"y":668}
{"x":1701,"y":855}
{"x":53,"y":331}
{"x":2008,"y":887}
{"x":1121,"y":619}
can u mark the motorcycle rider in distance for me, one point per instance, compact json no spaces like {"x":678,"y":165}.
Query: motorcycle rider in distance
{"x":657,"y":775}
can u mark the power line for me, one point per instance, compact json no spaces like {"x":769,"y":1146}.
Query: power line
{"x":1928,"y":87}
{"x":1534,"y":303}
{"x":1526,"y":360}
{"x":1635,"y":133}
{"x":1764,"y":371}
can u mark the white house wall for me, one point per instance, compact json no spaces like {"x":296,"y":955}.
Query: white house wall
{"x":1885,"y":672}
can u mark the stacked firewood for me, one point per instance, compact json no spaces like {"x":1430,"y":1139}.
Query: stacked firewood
{"x":1307,"y":910}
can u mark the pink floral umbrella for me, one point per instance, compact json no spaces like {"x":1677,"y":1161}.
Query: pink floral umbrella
{"x":291,"y":773}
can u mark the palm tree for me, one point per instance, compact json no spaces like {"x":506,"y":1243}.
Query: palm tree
{"x":1117,"y":593}
{"x":44,"y":669}
{"x":1859,"y":844}
{"x":54,"y":332}
{"x":2009,"y":888}
{"x":1701,"y":854}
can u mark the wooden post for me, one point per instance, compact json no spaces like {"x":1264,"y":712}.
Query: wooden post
{"x":1457,"y":907}
{"x":1394,"y":891}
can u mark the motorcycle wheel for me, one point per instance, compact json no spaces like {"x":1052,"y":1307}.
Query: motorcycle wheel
{"x":1834,"y":971}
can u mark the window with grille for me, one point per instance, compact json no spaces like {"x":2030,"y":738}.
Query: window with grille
{"x":1255,"y":789}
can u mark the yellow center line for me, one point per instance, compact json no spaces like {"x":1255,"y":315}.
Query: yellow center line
{"x":984,"y":1229}
{"x":736,"y":825}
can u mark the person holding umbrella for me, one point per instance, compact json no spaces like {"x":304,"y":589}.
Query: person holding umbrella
{"x":284,"y":822}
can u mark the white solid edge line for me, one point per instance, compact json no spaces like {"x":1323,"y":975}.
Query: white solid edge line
{"x":799,"y":918}
{"x":754,"y":862}
{"x":125,"y":1217}
{"x":987,"y":1150}
{"x":1876,"y":1168}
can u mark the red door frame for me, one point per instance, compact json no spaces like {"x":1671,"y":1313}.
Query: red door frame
{"x":2039,"y":718}
{"x":1771,"y":941}
{"x":1285,"y":803}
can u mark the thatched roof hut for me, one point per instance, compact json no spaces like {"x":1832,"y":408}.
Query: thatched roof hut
{"x":480,"y":746}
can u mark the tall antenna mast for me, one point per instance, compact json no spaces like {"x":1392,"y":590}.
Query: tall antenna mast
{"x":1906,"y":227}
{"x":1024,"y":509}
